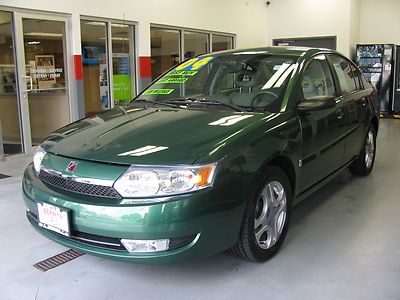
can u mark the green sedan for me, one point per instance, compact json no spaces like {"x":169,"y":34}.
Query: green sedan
{"x":212,"y":156}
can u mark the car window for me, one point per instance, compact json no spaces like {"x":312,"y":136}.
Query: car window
{"x":358,"y":77}
{"x":366,"y":83}
{"x":249,"y":80}
{"x":317,"y":79}
{"x":345,"y":75}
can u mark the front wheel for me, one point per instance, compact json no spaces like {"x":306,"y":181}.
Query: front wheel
{"x":266,"y":218}
{"x":365,"y":162}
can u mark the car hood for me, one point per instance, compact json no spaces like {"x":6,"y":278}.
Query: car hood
{"x":126,"y":135}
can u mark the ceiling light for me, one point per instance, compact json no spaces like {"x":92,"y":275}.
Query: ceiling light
{"x":119,"y":25}
{"x":94,"y":23}
{"x":166,"y":30}
{"x":49,"y":34}
{"x":119,"y":39}
{"x":34,"y":43}
{"x":116,"y":39}
{"x":193,"y":33}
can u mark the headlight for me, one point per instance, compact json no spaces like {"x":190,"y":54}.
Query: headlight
{"x":37,"y":158}
{"x":140,"y":181}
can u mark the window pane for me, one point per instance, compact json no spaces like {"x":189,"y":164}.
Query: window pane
{"x":164,"y":50}
{"x":317,"y":80}
{"x":45,"y":62}
{"x":195,"y":44}
{"x":358,"y":77}
{"x":9,"y":116}
{"x":345,"y":75}
{"x":95,"y":70}
{"x":122,"y":37}
{"x":221,"y":42}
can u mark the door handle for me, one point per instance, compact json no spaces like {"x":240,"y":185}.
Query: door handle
{"x":30,"y":83}
{"x":364,"y":101}
{"x":338,"y":99}
{"x":339,"y":113}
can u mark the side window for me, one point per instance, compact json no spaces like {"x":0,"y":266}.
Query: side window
{"x":317,"y":79}
{"x":358,"y":77}
{"x":366,"y":83}
{"x":345,"y":75}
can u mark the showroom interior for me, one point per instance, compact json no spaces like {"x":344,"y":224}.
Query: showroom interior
{"x":61,"y":61}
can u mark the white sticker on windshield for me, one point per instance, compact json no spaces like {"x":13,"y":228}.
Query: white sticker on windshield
{"x":280,"y":76}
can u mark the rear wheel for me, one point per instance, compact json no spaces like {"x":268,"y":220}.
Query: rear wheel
{"x":266,"y":219}
{"x":365,"y":162}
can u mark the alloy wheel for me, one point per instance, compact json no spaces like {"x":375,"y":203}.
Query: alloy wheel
{"x":369,"y":149}
{"x":270,"y":214}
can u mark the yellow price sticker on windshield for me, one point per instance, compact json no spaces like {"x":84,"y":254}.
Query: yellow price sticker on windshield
{"x":182,"y":73}
{"x":158,"y":92}
{"x":172,"y":80}
{"x":195,"y":64}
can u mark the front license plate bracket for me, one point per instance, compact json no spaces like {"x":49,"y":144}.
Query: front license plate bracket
{"x":54,"y":218}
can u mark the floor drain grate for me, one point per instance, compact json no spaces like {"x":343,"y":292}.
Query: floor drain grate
{"x":2,"y":176}
{"x":57,"y":260}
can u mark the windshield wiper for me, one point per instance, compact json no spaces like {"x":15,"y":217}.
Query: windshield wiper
{"x":233,"y":106}
{"x":155,"y":102}
{"x":184,"y":100}
{"x":190,"y":100}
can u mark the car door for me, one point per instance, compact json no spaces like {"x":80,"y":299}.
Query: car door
{"x":322,"y":130}
{"x":354,"y":98}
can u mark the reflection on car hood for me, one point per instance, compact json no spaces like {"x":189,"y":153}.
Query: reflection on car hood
{"x":147,"y":136}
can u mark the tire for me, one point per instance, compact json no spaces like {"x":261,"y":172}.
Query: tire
{"x":365,"y":161}
{"x":257,"y":240}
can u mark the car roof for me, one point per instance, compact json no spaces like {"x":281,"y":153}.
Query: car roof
{"x":287,"y":50}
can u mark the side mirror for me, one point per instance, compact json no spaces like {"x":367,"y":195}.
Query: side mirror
{"x":316,"y":103}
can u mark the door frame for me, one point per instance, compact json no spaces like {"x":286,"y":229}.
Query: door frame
{"x":19,"y":53}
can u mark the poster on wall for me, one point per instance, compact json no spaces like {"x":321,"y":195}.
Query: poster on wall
{"x":103,"y":78}
{"x":45,"y":71}
{"x":121,"y":78}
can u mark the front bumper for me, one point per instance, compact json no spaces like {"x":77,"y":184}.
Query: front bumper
{"x":199,"y":224}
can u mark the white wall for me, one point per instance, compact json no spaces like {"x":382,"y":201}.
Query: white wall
{"x":246,"y":18}
{"x":352,"y":21}
{"x":380,"y":21}
{"x":355,"y":7}
{"x":310,"y":18}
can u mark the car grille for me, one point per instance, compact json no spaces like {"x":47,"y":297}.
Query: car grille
{"x":66,"y":184}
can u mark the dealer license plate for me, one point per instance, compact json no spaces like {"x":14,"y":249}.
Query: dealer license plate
{"x":54,"y":218}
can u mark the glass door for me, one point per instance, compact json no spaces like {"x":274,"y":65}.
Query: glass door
{"x":95,"y":66}
{"x":123,"y":69}
{"x":43,"y":77}
{"x":108,"y":60}
{"x":10,"y":129}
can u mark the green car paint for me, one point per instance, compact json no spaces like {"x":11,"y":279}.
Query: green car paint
{"x":309,"y":147}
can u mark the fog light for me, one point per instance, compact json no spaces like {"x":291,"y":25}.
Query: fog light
{"x":145,"y":245}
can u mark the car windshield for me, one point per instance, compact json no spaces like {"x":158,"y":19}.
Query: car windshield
{"x":239,"y":81}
